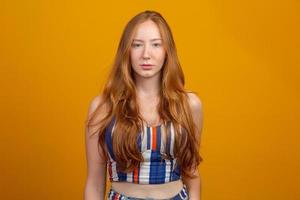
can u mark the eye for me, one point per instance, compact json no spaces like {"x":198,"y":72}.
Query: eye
{"x":157,"y":44}
{"x":136,"y":45}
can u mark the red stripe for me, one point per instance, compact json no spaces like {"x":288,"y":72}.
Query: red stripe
{"x":116,"y":197}
{"x":135,"y":175}
{"x":110,"y":170}
{"x":154,"y":138}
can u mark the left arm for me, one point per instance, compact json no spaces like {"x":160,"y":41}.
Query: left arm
{"x":194,"y":185}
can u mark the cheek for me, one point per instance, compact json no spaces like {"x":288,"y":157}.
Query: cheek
{"x":134,"y":56}
{"x":161,"y":55}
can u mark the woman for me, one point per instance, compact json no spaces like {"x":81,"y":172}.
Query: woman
{"x":144,"y":128}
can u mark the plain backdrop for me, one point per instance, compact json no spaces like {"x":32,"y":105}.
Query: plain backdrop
{"x":241,"y":57}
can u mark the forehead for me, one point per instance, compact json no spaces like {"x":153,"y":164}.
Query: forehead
{"x":147,"y":31}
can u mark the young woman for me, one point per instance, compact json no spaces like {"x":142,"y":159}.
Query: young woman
{"x":144,"y":128}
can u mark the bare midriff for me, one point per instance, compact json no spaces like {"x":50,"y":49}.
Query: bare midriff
{"x":156,"y":191}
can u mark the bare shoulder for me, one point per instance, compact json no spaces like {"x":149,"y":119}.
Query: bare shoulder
{"x":94,"y":103}
{"x":194,"y":101}
{"x":95,"y":113}
{"x":197,"y":110}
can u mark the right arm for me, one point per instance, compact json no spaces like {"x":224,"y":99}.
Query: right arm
{"x":96,"y":165}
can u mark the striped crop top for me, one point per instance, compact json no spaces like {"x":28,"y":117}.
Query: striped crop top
{"x":154,"y":169}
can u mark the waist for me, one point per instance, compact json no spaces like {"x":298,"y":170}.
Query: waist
{"x":165,"y":190}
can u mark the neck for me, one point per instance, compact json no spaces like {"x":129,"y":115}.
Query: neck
{"x":148,"y":87}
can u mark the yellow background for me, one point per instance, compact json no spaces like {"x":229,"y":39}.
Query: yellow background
{"x":242,"y":57}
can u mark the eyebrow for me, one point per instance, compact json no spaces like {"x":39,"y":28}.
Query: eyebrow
{"x":150,"y":40}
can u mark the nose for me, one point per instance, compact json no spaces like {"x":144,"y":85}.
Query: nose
{"x":146,"y":55}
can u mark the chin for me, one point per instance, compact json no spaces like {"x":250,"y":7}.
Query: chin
{"x":144,"y":74}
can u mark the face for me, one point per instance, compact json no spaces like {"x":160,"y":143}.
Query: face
{"x":147,"y":53}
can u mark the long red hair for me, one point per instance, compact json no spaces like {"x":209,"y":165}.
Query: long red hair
{"x":119,"y":97}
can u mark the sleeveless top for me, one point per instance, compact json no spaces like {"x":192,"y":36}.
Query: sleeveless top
{"x":154,"y":169}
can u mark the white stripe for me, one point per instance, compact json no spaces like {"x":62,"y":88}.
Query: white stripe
{"x":110,"y":158}
{"x":144,"y":139}
{"x":162,"y":141}
{"x":111,"y":194}
{"x":181,"y":196}
{"x":145,"y":168}
{"x":186,"y":195}
{"x":129,"y":177}
{"x":114,"y":171}
{"x":113,"y":128}
{"x":168,"y":170}
{"x":172,"y":140}
{"x":114,"y":174}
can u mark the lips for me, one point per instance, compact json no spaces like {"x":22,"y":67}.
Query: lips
{"x":147,"y":66}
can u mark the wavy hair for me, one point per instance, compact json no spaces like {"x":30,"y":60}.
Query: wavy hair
{"x":120,"y":99}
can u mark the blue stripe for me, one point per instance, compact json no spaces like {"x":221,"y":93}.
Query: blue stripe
{"x":148,"y":138}
{"x":182,"y":192}
{"x":163,"y":171}
{"x":177,"y":197}
{"x":162,"y":162}
{"x":139,"y":140}
{"x":157,"y":168}
{"x":176,"y":173}
{"x":108,"y":138}
{"x":168,"y":143}
{"x":170,"y":178}
{"x":121,"y":175}
{"x":153,"y":168}
{"x":158,"y":138}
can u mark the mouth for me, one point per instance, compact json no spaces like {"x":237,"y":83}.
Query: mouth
{"x":146,"y":66}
